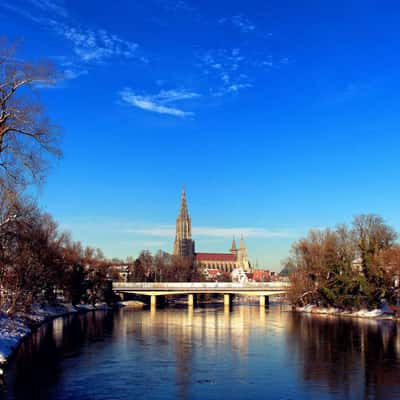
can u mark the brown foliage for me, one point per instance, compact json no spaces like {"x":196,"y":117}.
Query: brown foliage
{"x":389,"y":259}
{"x":346,"y":267}
{"x":37,"y":262}
{"x":162,"y":267}
{"x":372,"y":236}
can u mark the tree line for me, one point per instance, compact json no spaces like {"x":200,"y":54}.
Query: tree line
{"x":160,"y":267}
{"x":39,"y":263}
{"x":348,"y":267}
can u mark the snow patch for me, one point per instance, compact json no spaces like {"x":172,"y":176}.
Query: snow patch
{"x":363,"y":313}
{"x":11,"y":333}
{"x":369,"y":314}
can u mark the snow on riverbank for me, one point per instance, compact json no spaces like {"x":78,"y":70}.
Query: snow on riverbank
{"x":385,"y":312}
{"x":13,"y":330}
{"x":11,"y":333}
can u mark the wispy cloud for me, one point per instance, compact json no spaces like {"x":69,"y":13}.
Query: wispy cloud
{"x":231,"y":70}
{"x":272,"y":62}
{"x":71,"y":69}
{"x":157,"y":102}
{"x":74,"y":73}
{"x":168,"y":96}
{"x":94,"y":45}
{"x":21,"y":11}
{"x":243,"y":23}
{"x":49,"y":6}
{"x":223,"y":71}
{"x":239,"y":21}
{"x":216,"y":232}
{"x":225,"y":66}
{"x":88,"y":44}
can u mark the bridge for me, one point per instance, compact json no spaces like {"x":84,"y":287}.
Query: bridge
{"x":156,"y":290}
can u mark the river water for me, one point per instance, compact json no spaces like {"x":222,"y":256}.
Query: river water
{"x":245,"y":352}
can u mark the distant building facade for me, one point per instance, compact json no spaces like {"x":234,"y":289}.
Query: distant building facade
{"x":261,"y":275}
{"x":184,"y":246}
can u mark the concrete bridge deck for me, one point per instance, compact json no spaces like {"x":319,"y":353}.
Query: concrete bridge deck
{"x":156,"y":289}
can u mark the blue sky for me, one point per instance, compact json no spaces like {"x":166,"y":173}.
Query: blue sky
{"x":278,"y":116}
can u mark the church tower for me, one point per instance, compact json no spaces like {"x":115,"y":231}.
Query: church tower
{"x":243,"y":259}
{"x":184,"y":245}
{"x":233,"y":247}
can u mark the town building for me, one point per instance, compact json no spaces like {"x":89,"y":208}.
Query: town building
{"x":261,"y":275}
{"x":184,"y":246}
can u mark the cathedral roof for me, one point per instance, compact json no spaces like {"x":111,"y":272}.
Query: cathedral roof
{"x":215,"y":257}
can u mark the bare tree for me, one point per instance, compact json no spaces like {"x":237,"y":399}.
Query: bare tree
{"x":325,"y":272}
{"x":30,"y":258}
{"x":26,"y":134}
{"x":372,"y":236}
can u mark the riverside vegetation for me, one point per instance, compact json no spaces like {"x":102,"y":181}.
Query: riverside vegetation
{"x":348,"y":268}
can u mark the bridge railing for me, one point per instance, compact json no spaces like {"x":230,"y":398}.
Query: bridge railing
{"x":201,"y":285}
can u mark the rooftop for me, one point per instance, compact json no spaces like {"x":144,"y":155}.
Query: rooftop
{"x":215,"y":257}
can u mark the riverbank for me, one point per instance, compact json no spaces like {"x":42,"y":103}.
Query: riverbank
{"x":384,"y":313}
{"x":14,"y":329}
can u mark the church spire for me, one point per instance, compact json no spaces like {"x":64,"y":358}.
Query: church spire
{"x":233,"y":247}
{"x":183,"y":212}
{"x":184,"y":245}
{"x":242,"y":245}
{"x":242,"y":255}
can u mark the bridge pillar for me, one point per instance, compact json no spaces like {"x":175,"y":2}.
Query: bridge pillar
{"x":227,"y":300}
{"x":264,"y":301}
{"x":153,"y":301}
{"x":191,"y":300}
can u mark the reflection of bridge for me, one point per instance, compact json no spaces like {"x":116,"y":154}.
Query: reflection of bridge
{"x":156,"y":290}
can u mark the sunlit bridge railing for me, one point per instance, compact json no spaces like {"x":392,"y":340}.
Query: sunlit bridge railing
{"x":202,"y":285}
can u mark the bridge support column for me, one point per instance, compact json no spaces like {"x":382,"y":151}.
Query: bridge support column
{"x":227,"y":300}
{"x":153,"y":301}
{"x":191,"y":300}
{"x":264,"y":301}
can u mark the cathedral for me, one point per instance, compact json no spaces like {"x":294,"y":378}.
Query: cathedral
{"x":184,"y":246}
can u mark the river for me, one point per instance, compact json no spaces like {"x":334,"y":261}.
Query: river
{"x":246,"y":352}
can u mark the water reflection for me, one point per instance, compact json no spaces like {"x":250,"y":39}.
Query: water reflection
{"x":358,"y":358}
{"x":206,"y":353}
